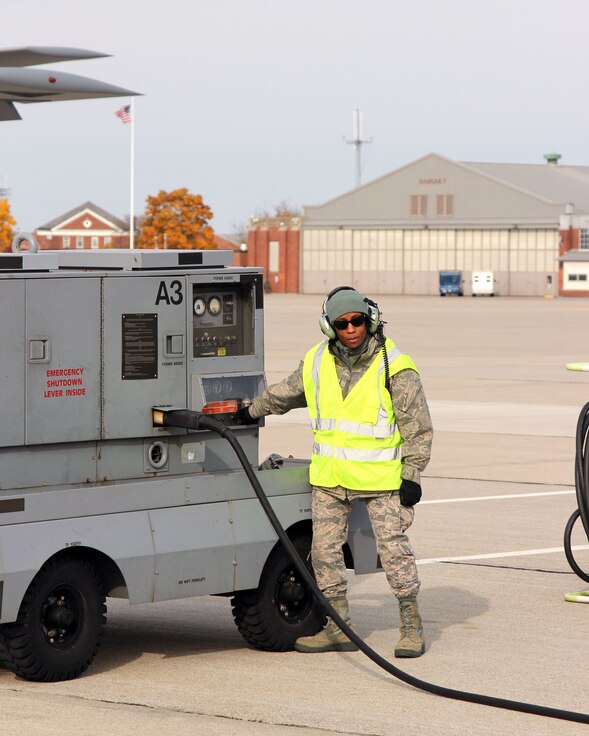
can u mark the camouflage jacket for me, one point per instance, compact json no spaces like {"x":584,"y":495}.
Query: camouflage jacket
{"x":409,"y":402}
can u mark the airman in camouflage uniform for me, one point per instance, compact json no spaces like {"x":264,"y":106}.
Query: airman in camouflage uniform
{"x":354,"y":350}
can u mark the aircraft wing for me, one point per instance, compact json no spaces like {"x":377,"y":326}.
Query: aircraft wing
{"x":44,"y":85}
{"x":23,"y":85}
{"x":32,"y":55}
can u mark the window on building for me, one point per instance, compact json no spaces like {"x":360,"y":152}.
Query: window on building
{"x":79,"y":241}
{"x":577,"y":279}
{"x":419,"y":205}
{"x":66,"y":241}
{"x":274,"y":256}
{"x":94,"y":241}
{"x":584,"y":239}
{"x":444,"y":204}
{"x":107,"y":240}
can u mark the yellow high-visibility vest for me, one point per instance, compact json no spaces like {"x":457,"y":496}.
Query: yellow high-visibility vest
{"x":357,"y":443}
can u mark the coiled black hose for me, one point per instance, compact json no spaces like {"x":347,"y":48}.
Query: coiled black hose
{"x":582,"y":490}
{"x":195,"y":420}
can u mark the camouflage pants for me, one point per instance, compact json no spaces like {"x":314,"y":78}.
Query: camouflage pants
{"x":389,"y":522}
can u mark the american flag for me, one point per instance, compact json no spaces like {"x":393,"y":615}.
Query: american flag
{"x":124,"y":113}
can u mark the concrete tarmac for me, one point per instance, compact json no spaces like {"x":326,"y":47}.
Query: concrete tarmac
{"x":488,"y":536}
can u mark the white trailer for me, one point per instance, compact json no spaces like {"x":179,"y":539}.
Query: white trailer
{"x":483,"y":283}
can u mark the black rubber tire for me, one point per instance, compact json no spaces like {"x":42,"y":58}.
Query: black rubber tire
{"x":282,"y":608}
{"x":60,"y":623}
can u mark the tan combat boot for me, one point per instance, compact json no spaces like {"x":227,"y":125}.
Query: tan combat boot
{"x":331,"y":638}
{"x":411,"y":643}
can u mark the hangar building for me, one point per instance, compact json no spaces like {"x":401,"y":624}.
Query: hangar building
{"x":395,"y":234}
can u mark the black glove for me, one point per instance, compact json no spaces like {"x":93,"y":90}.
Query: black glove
{"x":243,"y":416}
{"x":409,"y":493}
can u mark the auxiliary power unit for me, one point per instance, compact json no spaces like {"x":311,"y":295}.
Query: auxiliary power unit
{"x":96,"y":501}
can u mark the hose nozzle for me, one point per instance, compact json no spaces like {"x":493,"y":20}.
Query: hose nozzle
{"x":185,"y":418}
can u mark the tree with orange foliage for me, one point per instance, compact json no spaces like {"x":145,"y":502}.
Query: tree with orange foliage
{"x":7,"y":223}
{"x":176,"y":219}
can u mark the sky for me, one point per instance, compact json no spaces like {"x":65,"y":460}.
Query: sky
{"x":248,"y":102}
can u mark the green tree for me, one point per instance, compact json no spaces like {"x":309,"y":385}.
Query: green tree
{"x":176,"y":219}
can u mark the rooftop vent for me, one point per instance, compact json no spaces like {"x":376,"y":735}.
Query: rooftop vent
{"x":552,"y":158}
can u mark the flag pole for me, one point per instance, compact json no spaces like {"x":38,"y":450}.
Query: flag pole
{"x":132,"y":177}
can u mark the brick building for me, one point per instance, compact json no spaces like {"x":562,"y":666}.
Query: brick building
{"x":86,"y":226}
{"x":226,"y":242}
{"x":274,"y":244}
{"x":573,"y":276}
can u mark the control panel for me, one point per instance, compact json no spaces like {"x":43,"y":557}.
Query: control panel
{"x":222,"y":320}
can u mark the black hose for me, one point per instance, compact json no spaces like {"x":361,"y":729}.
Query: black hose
{"x":582,"y":490}
{"x":195,"y":420}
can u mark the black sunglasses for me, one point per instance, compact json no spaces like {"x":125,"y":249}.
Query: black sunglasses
{"x":342,"y":324}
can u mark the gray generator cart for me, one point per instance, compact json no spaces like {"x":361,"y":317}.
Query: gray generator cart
{"x":96,"y":501}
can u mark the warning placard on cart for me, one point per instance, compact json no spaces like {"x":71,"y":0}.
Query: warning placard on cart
{"x":139,"y":355}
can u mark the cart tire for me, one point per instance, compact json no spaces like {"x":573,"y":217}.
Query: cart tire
{"x":282,"y":608}
{"x":60,"y":623}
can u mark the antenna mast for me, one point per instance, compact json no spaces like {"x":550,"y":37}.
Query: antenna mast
{"x":357,"y":143}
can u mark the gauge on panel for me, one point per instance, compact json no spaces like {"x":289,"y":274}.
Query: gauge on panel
{"x":199,"y":306}
{"x":214,"y":305}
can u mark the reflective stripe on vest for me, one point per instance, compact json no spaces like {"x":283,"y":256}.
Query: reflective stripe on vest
{"x":357,"y":442}
{"x":381,"y":428}
{"x":347,"y":453}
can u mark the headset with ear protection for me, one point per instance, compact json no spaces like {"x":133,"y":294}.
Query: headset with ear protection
{"x":372,"y":321}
